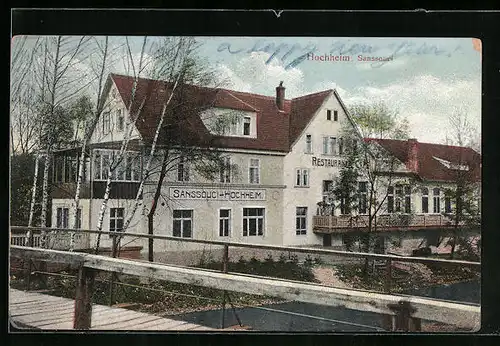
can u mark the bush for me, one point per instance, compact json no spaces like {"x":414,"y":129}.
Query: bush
{"x":284,"y":268}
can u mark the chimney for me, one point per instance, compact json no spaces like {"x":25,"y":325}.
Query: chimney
{"x":412,"y":162}
{"x":280,"y":96}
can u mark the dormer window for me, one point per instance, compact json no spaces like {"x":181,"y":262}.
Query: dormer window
{"x":246,"y":126}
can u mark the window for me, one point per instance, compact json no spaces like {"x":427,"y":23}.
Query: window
{"x":246,"y":126}
{"x":254,"y":171}
{"x":328,"y":115}
{"x":253,"y":221}
{"x":327,"y":190}
{"x":182,"y":170}
{"x":301,"y":220}
{"x":302,"y":177}
{"x":341,"y":146}
{"x":119,"y":120}
{"x":335,"y":115}
{"x":308,"y":144}
{"x":425,"y":200}
{"x":115,"y":220}
{"x":403,"y":199}
{"x":447,"y":204}
{"x":224,"y":222}
{"x":62,"y":217}
{"x":66,"y":169}
{"x":106,"y":122}
{"x":225,"y":170}
{"x":436,"y":200}
{"x":407,"y":199}
{"x":363,"y":197}
{"x":183,"y":224}
{"x":399,"y":197}
{"x":79,"y":218}
{"x":390,"y":199}
{"x":344,"y":207}
{"x":128,"y":169}
{"x":329,"y":145}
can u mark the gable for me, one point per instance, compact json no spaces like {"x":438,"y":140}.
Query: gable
{"x":112,"y":121}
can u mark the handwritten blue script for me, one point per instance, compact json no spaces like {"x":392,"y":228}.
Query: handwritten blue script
{"x":293,"y":54}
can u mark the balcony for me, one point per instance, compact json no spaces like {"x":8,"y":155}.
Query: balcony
{"x":386,"y":222}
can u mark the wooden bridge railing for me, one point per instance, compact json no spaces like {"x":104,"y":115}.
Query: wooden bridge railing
{"x":405,"y":310}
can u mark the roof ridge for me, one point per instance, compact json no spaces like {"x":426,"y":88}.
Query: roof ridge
{"x":249,"y":105}
{"x":313,"y":94}
{"x":427,"y":143}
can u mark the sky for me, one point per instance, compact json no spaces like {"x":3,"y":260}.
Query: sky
{"x":427,"y":79}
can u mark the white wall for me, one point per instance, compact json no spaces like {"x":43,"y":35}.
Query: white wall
{"x":297,"y":158}
{"x":113,"y":102}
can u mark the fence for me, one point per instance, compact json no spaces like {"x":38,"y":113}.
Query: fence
{"x":405,"y":310}
{"x":394,"y":305}
{"x":54,"y":239}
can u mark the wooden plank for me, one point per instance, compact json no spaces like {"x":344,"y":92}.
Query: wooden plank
{"x":164,"y":325}
{"x":462,"y":315}
{"x":114,"y":318}
{"x":58,"y":315}
{"x":317,"y":251}
{"x":54,"y":321}
{"x":43,"y":309}
{"x":135,"y":322}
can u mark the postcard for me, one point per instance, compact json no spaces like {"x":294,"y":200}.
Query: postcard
{"x":319,"y":184}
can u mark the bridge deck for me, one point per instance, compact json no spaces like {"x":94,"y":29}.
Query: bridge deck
{"x":47,"y":312}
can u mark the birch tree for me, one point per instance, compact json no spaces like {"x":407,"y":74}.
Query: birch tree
{"x":364,"y":160}
{"x":176,"y":63}
{"x":99,"y":105}
{"x":61,"y":85}
{"x":465,"y":192}
{"x":132,"y":116}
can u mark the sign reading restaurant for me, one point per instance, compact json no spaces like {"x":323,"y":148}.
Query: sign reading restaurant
{"x":316,"y":161}
{"x":218,"y":194}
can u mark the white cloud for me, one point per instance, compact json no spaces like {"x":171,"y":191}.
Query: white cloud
{"x":426,"y":101}
{"x":252,"y":74}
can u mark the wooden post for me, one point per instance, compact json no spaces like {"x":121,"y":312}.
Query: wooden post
{"x":403,"y":320}
{"x":388,"y":276}
{"x":83,"y":299}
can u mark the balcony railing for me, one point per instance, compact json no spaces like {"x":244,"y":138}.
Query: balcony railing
{"x":386,"y":221}
{"x":55,"y":240}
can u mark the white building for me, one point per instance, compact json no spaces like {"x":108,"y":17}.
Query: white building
{"x":281,"y":154}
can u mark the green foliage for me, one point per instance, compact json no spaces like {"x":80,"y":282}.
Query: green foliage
{"x":378,"y":120}
{"x":21,"y":183}
{"x":284,"y":268}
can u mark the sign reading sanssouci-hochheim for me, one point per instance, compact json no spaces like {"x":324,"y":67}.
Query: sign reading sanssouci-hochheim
{"x":218,"y":194}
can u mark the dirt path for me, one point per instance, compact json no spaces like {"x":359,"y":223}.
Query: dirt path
{"x":328,"y":277}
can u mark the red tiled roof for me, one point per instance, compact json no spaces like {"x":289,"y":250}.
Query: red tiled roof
{"x":428,"y":167}
{"x":276,"y":130}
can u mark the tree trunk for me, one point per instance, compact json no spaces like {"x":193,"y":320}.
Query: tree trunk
{"x":76,"y":202}
{"x":33,"y":197}
{"x":154,"y":204}
{"x":45,"y":198}
{"x":102,"y":211}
